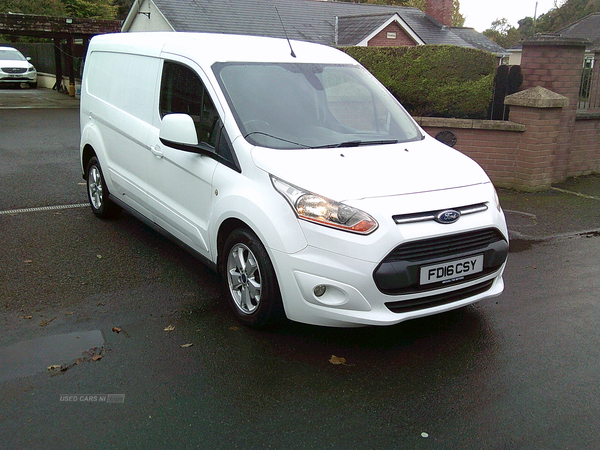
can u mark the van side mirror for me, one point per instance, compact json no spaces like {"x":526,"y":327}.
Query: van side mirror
{"x":178,"y":128}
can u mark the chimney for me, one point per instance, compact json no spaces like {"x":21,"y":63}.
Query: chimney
{"x":440,"y":10}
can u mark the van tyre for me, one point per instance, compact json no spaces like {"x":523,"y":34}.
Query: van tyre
{"x":250,"y":280}
{"x":98,"y":194}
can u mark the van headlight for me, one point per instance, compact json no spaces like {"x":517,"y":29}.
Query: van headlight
{"x":318,"y":209}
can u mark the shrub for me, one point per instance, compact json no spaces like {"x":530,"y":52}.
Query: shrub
{"x":433,"y":80}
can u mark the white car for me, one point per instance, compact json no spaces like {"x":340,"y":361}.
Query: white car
{"x":16,"y":68}
{"x":289,"y":169}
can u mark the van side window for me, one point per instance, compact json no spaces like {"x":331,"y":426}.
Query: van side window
{"x":182,"y":91}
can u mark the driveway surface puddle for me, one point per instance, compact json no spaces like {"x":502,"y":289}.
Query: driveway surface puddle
{"x":30,"y":357}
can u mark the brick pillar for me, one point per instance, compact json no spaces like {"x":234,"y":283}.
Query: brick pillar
{"x":440,"y":10}
{"x":556,"y":64}
{"x":541,"y":111}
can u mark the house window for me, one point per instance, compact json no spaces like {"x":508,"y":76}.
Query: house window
{"x":391,"y":35}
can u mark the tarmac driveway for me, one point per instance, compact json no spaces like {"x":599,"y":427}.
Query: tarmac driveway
{"x":112,"y":337}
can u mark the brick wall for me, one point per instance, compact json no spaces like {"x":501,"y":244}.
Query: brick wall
{"x":520,"y":154}
{"x":401,"y":37}
{"x":585,"y":152}
{"x":489,"y":149}
{"x":493,"y":144}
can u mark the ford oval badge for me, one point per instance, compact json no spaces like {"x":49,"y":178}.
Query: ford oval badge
{"x":447,"y":217}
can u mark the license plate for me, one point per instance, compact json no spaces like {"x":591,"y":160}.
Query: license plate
{"x":451,"y":270}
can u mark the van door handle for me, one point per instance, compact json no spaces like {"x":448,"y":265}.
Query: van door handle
{"x":156,"y":151}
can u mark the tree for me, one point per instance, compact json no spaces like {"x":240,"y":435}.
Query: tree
{"x":458,"y":20}
{"x":91,"y":9}
{"x":503,"y":33}
{"x":564,"y":13}
{"x":97,"y":9}
{"x":41,"y":7}
{"x":526,"y":27}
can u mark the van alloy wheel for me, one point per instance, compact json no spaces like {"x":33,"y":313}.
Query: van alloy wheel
{"x":98,"y":194}
{"x":95,"y":187}
{"x":243,"y":277}
{"x":250,"y":280}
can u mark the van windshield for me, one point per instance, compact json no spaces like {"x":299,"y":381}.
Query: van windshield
{"x":292,"y":106}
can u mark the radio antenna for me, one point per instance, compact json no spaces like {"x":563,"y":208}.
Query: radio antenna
{"x":285,"y":32}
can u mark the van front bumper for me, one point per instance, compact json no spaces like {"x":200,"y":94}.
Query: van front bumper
{"x":328,"y":289}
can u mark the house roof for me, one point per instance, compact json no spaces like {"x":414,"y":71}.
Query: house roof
{"x":587,"y":28}
{"x":306,"y":20}
{"x":479,"y":41}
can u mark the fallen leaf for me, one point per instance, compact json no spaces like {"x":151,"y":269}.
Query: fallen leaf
{"x":81,"y":184}
{"x":69,"y":313}
{"x":28,"y":261}
{"x":26,"y":317}
{"x":54,"y":367}
{"x":234,"y":328}
{"x":116,"y":330}
{"x":186,"y":345}
{"x":335,"y":360}
{"x":45,"y":322}
{"x":96,"y":357}
{"x":170,"y":328}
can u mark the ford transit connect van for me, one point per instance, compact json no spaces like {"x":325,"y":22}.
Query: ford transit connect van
{"x":290,"y":170}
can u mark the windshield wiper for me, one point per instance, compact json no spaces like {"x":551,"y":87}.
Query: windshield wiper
{"x":275,"y":137}
{"x":358,"y":143}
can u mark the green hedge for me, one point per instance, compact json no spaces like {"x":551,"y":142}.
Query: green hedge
{"x":433,"y":80}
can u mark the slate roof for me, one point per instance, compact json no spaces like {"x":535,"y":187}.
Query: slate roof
{"x":587,"y":28}
{"x":479,"y":41}
{"x":306,"y":20}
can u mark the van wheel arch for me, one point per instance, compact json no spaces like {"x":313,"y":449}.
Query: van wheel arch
{"x":87,"y":154}
{"x":225,"y":230}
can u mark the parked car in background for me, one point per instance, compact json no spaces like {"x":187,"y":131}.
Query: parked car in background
{"x":16,"y":68}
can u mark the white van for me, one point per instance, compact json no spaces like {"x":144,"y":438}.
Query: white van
{"x":290,"y":170}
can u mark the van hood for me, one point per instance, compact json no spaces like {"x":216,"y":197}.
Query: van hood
{"x":372,"y":171}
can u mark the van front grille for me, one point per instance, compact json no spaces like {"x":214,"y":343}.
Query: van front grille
{"x":445,"y":246}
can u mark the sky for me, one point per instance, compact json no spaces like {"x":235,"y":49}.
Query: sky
{"x":481,"y":13}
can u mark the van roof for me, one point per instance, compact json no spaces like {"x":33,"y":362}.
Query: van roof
{"x":209,"y":48}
